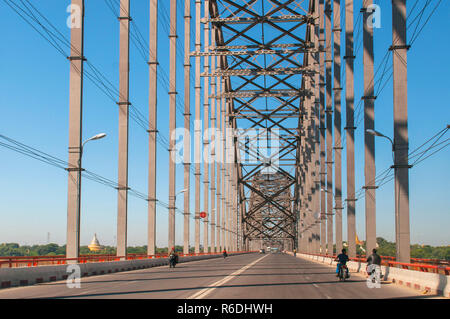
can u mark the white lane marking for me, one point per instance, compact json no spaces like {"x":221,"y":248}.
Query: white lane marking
{"x":315,"y":285}
{"x":204,"y":292}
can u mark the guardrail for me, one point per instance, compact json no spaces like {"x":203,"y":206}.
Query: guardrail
{"x":387,"y":261}
{"x":35,"y":261}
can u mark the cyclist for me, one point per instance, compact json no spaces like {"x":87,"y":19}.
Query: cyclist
{"x":224,"y":253}
{"x":342,"y":258}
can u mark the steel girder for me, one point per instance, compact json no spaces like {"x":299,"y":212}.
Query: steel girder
{"x":261,"y":50}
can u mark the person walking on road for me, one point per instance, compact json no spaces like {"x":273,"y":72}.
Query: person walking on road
{"x":374,"y":259}
{"x":374,"y":265}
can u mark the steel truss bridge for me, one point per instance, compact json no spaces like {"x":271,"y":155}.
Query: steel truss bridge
{"x":265,"y":77}
{"x":262,"y":76}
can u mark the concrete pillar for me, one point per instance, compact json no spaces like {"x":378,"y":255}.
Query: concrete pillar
{"x":401,"y":143}
{"x":329,"y":130}
{"x":153,"y":88}
{"x":226,"y":218}
{"x":302,"y":207}
{"x":172,"y":118}
{"x":218,"y":170}
{"x":197,"y":128}
{"x":301,"y":234}
{"x":220,"y":162}
{"x":230,"y":212}
{"x":337,"y":125}
{"x":206,"y":126}
{"x":75,"y":135}
{"x":124,"y":104}
{"x":187,"y":122}
{"x":224,"y":168}
{"x":309,"y":151}
{"x":323,"y":229}
{"x":350,"y":128}
{"x":226,"y":208}
{"x":369,"y":139}
{"x":317,"y":88}
{"x":213,"y":147}
{"x":234,"y":210}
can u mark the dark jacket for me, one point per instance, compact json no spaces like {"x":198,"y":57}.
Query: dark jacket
{"x":374,"y":259}
{"x":343,"y":258}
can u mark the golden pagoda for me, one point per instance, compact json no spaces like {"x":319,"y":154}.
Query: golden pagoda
{"x":95,"y":245}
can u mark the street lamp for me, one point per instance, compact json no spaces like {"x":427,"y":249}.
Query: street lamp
{"x":396,"y":167}
{"x":93,"y":138}
{"x":332,"y":194}
{"x":182,"y":191}
{"x":376,"y":133}
{"x":327,"y":191}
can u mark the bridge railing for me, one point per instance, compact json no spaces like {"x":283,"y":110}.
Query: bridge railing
{"x":417,"y":264}
{"x":34,"y":261}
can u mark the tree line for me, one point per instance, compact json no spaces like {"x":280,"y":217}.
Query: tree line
{"x":385,"y":248}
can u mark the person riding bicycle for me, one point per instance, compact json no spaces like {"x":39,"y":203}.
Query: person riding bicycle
{"x":224,"y":252}
{"x":342,"y":258}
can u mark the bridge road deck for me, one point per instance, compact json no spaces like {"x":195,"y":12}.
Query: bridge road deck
{"x":273,"y":276}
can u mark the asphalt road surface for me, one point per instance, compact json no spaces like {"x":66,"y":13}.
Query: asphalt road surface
{"x":251,"y":276}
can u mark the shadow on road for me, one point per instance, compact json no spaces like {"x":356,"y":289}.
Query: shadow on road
{"x":199,"y":288}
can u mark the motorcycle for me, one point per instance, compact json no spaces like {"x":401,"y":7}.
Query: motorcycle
{"x":341,"y":275}
{"x":173,"y":259}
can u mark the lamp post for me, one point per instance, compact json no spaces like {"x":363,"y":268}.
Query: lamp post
{"x":332,"y":194}
{"x":182,"y":191}
{"x":175,"y":207}
{"x":308,"y":242}
{"x":376,"y":133}
{"x":93,"y":138}
{"x":401,"y":243}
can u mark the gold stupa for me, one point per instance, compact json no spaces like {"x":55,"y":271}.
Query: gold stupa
{"x":95,"y":245}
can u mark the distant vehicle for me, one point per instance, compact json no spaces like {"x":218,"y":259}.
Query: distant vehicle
{"x":274,"y":250}
{"x":262,"y":251}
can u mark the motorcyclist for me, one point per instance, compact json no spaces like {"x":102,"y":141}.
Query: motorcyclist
{"x":224,"y":252}
{"x":173,"y":258}
{"x":342,"y":258}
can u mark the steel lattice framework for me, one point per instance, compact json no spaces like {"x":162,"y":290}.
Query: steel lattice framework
{"x":261,"y":45}
{"x":264,"y":85}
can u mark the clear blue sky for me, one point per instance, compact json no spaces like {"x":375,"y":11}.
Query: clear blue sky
{"x":34,"y":86}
